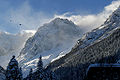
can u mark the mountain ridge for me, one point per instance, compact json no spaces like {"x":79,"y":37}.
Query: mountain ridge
{"x":100,"y":43}
{"x":52,"y":40}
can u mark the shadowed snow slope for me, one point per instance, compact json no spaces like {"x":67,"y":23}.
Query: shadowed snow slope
{"x":52,"y":40}
{"x":101,"y":32}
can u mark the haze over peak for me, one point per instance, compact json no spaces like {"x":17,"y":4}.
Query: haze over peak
{"x":11,"y":44}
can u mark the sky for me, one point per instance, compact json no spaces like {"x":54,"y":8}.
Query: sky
{"x":17,"y":15}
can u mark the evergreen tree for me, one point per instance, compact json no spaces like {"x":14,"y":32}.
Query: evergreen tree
{"x":40,"y":64}
{"x":49,"y":75}
{"x":30,"y":77}
{"x":52,"y":76}
{"x":13,"y":72}
{"x":20,"y":74}
{"x":40,"y":70}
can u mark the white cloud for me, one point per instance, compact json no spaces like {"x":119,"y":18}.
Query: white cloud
{"x":91,"y":21}
{"x":30,"y":19}
{"x":26,"y":17}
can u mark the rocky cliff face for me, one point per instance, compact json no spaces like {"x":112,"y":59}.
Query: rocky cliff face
{"x":101,"y":44}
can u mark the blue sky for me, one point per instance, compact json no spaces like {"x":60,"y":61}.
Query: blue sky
{"x":62,"y":6}
{"x":33,"y":13}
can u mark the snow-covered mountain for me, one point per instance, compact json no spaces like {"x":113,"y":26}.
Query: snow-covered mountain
{"x":99,"y":45}
{"x":11,"y":44}
{"x":101,"y":32}
{"x":52,"y":40}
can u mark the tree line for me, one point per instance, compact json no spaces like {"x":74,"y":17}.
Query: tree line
{"x":14,"y":72}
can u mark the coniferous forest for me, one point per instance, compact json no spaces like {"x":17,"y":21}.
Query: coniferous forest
{"x":14,"y":72}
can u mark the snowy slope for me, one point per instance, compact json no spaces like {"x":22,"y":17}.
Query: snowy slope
{"x":101,"y":44}
{"x":11,"y":44}
{"x":101,"y":32}
{"x":52,"y":40}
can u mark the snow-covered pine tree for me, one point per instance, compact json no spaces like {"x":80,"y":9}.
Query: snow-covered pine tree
{"x":30,"y":76}
{"x":40,"y":70}
{"x":13,"y":72}
{"x":40,"y":64}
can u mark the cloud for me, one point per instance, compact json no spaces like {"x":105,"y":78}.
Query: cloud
{"x":25,"y":17}
{"x":30,"y":19}
{"x":91,"y":21}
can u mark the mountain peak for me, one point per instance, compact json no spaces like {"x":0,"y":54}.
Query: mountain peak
{"x":51,"y":41}
{"x":118,"y":9}
{"x":117,"y":12}
{"x":59,"y":24}
{"x":61,"y":20}
{"x":101,"y":32}
{"x":114,"y":17}
{"x":57,"y":19}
